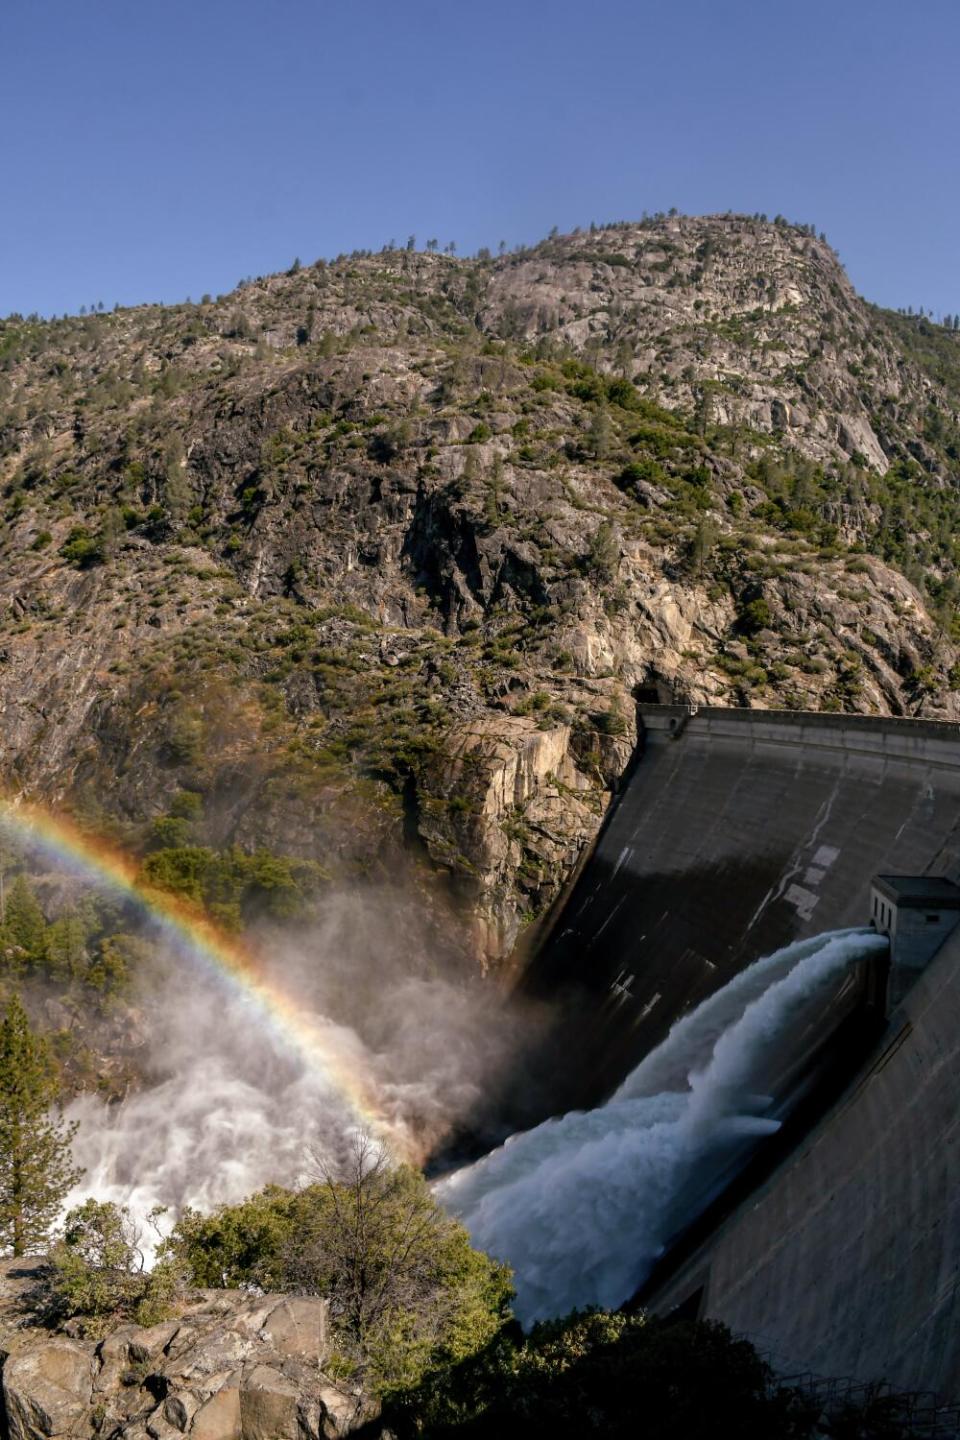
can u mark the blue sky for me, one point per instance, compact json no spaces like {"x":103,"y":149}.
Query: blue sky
{"x":155,"y":151}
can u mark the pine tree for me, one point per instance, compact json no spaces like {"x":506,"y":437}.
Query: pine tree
{"x":67,"y":946}
{"x":24,"y":928}
{"x":36,"y":1171}
{"x":600,"y":434}
{"x":702,"y":545}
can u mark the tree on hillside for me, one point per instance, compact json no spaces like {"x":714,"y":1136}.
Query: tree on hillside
{"x":702,"y":545}
{"x":600,"y":434}
{"x":35,"y":1164}
{"x":24,"y":930}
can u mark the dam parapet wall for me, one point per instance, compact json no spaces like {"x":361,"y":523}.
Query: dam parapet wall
{"x":893,"y":737}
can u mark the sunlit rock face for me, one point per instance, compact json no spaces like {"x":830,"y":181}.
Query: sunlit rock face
{"x":376,"y":555}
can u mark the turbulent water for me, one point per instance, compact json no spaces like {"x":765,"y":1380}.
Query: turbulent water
{"x":582,"y":1206}
{"x":229,"y":1108}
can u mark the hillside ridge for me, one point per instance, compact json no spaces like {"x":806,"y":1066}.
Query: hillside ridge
{"x":375,"y":556}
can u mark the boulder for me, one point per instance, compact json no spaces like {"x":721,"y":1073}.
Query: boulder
{"x":298,"y":1326}
{"x":230,"y":1366}
{"x":269,"y":1406}
{"x":219,"y":1417}
{"x":179,"y":1409}
{"x":47,"y":1388}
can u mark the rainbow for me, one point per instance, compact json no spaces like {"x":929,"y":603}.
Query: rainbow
{"x":223,"y":957}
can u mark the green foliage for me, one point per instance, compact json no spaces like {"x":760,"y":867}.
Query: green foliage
{"x":82,"y":945}
{"x":609,"y":722}
{"x":187,"y":805}
{"x":23,"y":933}
{"x":754,"y":615}
{"x":35,"y":1166}
{"x":169,"y":832}
{"x":96,"y":1271}
{"x":607,"y":1374}
{"x":603,"y":554}
{"x":110,"y":967}
{"x":702,"y":545}
{"x":639,"y":472}
{"x":66,"y":946}
{"x":236,"y":888}
{"x":81,"y":548}
{"x":599,"y":434}
{"x":407,"y":1292}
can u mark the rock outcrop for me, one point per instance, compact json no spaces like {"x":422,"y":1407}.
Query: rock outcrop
{"x":229,"y":1366}
{"x":375,"y":557}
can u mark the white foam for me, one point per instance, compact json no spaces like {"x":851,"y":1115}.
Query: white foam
{"x":582,"y":1205}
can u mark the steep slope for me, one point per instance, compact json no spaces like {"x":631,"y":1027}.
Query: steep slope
{"x":375,"y":556}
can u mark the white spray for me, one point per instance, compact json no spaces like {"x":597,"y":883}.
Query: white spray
{"x":228,"y":1108}
{"x":582,"y":1206}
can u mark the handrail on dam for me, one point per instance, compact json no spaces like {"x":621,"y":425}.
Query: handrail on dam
{"x":825,"y":719}
{"x":920,"y":1413}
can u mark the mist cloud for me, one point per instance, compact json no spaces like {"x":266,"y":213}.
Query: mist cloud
{"x":228,"y":1107}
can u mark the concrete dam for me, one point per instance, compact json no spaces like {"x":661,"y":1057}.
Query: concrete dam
{"x":837,"y":1248}
{"x":736,"y":832}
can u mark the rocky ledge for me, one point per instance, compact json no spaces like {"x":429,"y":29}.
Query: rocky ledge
{"x":229,"y":1366}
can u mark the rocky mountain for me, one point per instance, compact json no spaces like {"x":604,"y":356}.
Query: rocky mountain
{"x":374,"y":557}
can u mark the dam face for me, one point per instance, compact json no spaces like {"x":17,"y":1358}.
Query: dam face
{"x":737,"y":832}
{"x":846,"y":1260}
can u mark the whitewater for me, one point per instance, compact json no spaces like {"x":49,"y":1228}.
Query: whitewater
{"x":582,"y":1206}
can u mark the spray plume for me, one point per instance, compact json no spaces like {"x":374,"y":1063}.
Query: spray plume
{"x":226,"y":1108}
{"x":238,"y":972}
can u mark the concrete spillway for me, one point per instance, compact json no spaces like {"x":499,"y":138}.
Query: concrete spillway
{"x":737,"y":832}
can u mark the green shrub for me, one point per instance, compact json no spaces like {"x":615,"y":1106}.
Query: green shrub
{"x":620,"y":1376}
{"x":621,"y":392}
{"x":234,"y":886}
{"x":603,"y":553}
{"x":97,"y":1272}
{"x":638,"y":471}
{"x":81,"y":548}
{"x":407,"y":1292}
{"x":609,"y":722}
{"x":755,"y":615}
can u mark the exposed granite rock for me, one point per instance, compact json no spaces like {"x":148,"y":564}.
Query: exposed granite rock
{"x":377,"y":557}
{"x":48,"y":1390}
{"x":230,"y":1366}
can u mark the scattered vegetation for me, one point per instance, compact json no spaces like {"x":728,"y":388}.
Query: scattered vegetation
{"x":96,"y":1273}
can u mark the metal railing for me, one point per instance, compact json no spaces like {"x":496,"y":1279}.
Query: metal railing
{"x":919,"y":1413}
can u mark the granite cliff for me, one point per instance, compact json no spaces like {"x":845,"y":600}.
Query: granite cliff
{"x":375,"y":556}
